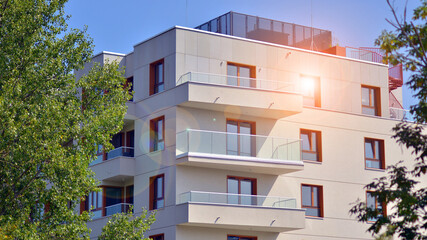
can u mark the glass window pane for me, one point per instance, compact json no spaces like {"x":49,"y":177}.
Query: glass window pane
{"x":365,"y":96}
{"x":372,"y":97}
{"x":313,"y":141}
{"x":309,"y":156}
{"x":377,"y":149}
{"x":373,"y":164}
{"x":368,"y":111}
{"x":159,"y":189}
{"x":99,"y":198}
{"x":312,"y":212}
{"x":233,"y":188}
{"x":369,"y":151}
{"x":112,"y":196}
{"x":315,"y":196}
{"x":160,"y":203}
{"x":305,"y":141}
{"x":246,"y":187}
{"x":370,"y":201}
{"x":233,"y":185}
{"x":232,"y":138}
{"x":232,"y":75}
{"x":306,"y":195}
{"x":160,"y":130}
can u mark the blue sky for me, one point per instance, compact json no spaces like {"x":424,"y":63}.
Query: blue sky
{"x":117,"y":26}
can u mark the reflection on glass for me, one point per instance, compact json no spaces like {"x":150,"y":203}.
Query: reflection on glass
{"x":233,"y":187}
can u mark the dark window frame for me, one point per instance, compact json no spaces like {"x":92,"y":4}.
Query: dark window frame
{"x":153,"y":192}
{"x":253,"y":132}
{"x":374,"y":101}
{"x":381,"y":153}
{"x":252,"y":73}
{"x":154,"y":134}
{"x":383,"y":205}
{"x":318,"y":151}
{"x":155,"y":81}
{"x":319,"y":197}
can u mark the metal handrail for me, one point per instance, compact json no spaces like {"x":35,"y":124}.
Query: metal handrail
{"x":239,"y":134}
{"x":291,"y":83}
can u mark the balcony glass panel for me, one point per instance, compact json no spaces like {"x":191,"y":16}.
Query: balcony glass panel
{"x":241,"y":81}
{"x":117,"y":208}
{"x":222,"y":143}
{"x":121,"y":152}
{"x":245,"y":199}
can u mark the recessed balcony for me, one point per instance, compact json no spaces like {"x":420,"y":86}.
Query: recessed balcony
{"x":239,"y":211}
{"x":248,"y":96}
{"x":239,"y":152}
{"x":116,"y":165}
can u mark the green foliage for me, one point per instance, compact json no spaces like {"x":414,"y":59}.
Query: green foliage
{"x":48,"y":133}
{"x":125,"y":226}
{"x":401,"y":188}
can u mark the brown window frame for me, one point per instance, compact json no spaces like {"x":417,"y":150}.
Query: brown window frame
{"x":252,"y":73}
{"x":153,"y":198}
{"x":316,"y":91}
{"x":319,"y":197}
{"x":253,"y":180}
{"x":253,"y":132}
{"x":381,"y":152}
{"x":154,"y":141}
{"x":155,"y":237}
{"x":240,"y":236}
{"x":153,"y":84}
{"x":377,"y":100}
{"x":104,"y":197}
{"x":383,"y":205}
{"x":318,"y":144}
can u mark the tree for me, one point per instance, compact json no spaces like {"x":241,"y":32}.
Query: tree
{"x":401,"y":187}
{"x":48,"y":132}
{"x":125,"y":226}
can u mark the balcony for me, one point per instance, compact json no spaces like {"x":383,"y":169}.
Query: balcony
{"x":239,"y":211}
{"x":239,"y":152}
{"x":399,"y":113}
{"x":248,"y":96}
{"x":119,"y":165}
{"x":117,"y":208}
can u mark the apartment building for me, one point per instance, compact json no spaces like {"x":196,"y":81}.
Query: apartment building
{"x":247,"y":128}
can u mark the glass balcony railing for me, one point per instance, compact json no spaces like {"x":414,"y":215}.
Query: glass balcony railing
{"x":399,"y":113}
{"x":120,"y":152}
{"x":254,"y":83}
{"x":117,"y":208}
{"x":236,"y":199}
{"x":117,"y":152}
{"x":234,"y":144}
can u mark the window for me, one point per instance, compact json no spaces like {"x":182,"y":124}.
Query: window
{"x":113,"y":200}
{"x":129,"y":194}
{"x":310,"y":91}
{"x":371,"y":101}
{"x":239,"y":139}
{"x":93,"y":203}
{"x":158,"y":237}
{"x":311,"y":145}
{"x":157,"y":78}
{"x":312,"y":200}
{"x":157,"y":192}
{"x":129,"y":81}
{"x":374,"y":153}
{"x":233,"y":237}
{"x":241,"y":75}
{"x":157,"y":134}
{"x":373,"y":203}
{"x":241,"y":185}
